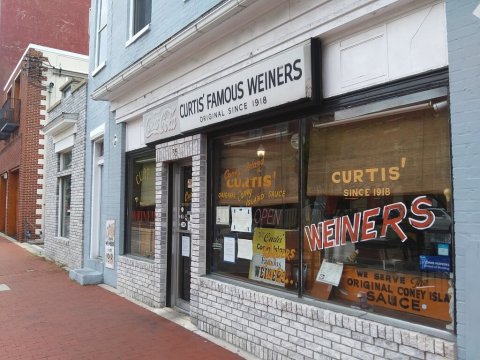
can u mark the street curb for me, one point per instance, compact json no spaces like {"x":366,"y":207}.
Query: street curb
{"x":31,"y":248}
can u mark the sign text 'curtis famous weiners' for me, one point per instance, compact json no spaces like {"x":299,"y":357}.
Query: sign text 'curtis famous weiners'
{"x":274,"y":81}
{"x":333,"y":232}
{"x":252,"y":86}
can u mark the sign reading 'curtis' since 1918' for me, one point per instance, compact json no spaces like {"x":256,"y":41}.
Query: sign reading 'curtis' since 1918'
{"x":278,"y":80}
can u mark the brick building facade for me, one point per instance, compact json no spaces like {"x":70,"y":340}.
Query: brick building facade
{"x":260,"y":186}
{"x":33,"y":86}
{"x":67,"y":126}
{"x":60,"y":24}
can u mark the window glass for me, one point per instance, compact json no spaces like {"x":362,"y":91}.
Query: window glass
{"x":256,"y":231}
{"x":65,"y":160}
{"x":101,"y":36}
{"x":65,"y":187}
{"x":142,"y":10}
{"x":376,"y":228}
{"x":141,"y":205}
{"x":378,"y":220}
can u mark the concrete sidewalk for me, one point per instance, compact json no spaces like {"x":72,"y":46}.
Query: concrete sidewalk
{"x":44,"y":315}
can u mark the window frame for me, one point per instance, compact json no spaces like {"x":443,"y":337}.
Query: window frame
{"x":63,"y":213}
{"x":136,"y":31}
{"x":100,"y":27}
{"x":98,"y":149}
{"x":131,"y":157}
{"x":64,"y":177}
{"x":369,"y":96}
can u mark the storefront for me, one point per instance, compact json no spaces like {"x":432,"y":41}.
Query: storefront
{"x":302,"y":199}
{"x":358,"y":213}
{"x":340,"y":205}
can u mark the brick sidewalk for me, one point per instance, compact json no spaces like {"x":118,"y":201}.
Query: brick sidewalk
{"x":45,"y":315}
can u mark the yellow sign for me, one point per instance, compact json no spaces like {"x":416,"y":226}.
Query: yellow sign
{"x":269,"y":256}
{"x":257,"y":182}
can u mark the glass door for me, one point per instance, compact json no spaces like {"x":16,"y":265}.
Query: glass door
{"x":181,"y":236}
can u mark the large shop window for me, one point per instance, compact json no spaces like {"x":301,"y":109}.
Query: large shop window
{"x":141,"y":204}
{"x":256,"y":205}
{"x":376,"y":217}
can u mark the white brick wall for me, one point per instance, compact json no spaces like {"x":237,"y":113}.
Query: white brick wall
{"x":267,"y":326}
{"x":136,"y":280}
{"x":146,"y":280}
{"x":66,"y":251}
{"x":275,"y":328}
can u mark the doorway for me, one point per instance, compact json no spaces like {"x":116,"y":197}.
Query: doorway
{"x":3,"y":200}
{"x":97,"y":178}
{"x":180,"y":207}
{"x":12,"y":203}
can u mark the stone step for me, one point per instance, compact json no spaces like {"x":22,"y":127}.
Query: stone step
{"x":86,"y":276}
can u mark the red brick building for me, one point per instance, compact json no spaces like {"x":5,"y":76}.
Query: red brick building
{"x":62,"y":24}
{"x":26,"y":94}
{"x":40,"y":79}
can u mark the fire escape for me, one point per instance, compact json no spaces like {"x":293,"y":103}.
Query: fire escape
{"x":9,"y":118}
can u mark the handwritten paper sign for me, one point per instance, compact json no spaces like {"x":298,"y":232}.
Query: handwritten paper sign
{"x":223,"y":215}
{"x":330,"y":273}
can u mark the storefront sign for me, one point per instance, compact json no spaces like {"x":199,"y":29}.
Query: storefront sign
{"x":269,"y":255}
{"x":161,"y":122}
{"x":275,"y":81}
{"x":255,"y":183}
{"x":425,"y":296}
{"x":373,"y":181}
{"x":394,"y":163}
{"x":333,"y":232}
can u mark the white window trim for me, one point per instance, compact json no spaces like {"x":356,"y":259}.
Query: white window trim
{"x":60,"y":181}
{"x":98,"y":29}
{"x":97,"y":179}
{"x":99,"y":68}
{"x":98,"y":132}
{"x":139,"y":34}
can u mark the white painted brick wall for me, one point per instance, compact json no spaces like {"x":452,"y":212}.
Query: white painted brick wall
{"x":146,"y":280}
{"x":136,"y":280}
{"x":66,"y":251}
{"x":275,"y":328}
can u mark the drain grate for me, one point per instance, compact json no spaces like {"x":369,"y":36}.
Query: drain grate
{"x":4,"y":287}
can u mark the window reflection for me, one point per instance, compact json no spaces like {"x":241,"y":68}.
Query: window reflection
{"x":141,"y":197}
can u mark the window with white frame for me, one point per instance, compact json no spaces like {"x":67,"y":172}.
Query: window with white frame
{"x":140,"y":15}
{"x":65,"y":186}
{"x":97,"y":174}
{"x":101,"y":33}
{"x":64,"y":193}
{"x":65,"y":160}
